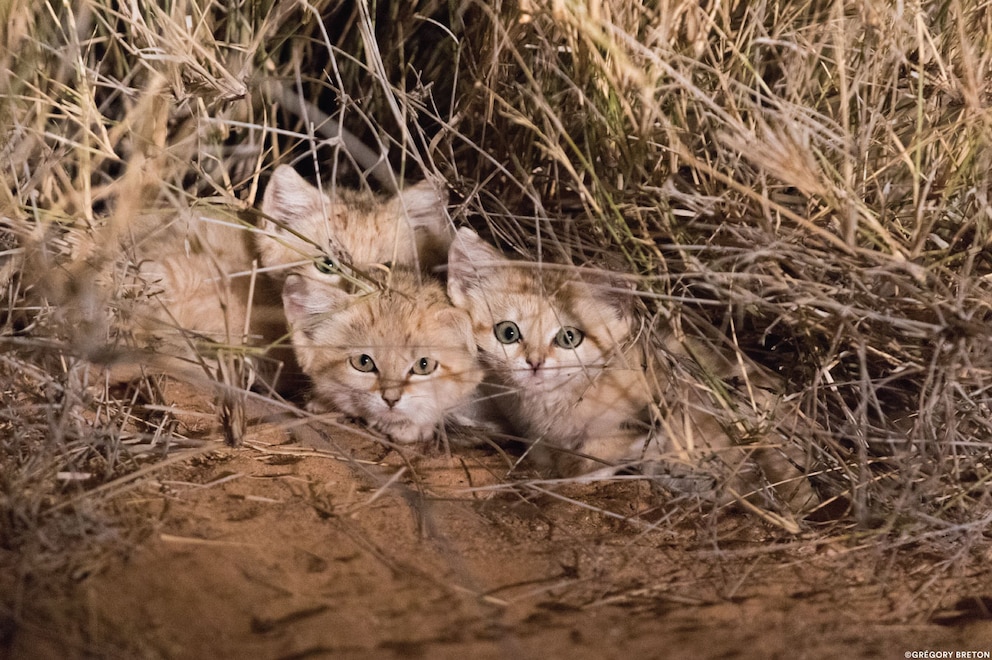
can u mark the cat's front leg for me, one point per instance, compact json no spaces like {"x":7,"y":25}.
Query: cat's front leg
{"x":404,"y":432}
{"x":638,"y":450}
{"x":603,"y":454}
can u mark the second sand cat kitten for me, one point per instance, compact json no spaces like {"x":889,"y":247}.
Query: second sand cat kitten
{"x":381,"y":344}
{"x":564,"y":369}
{"x":566,"y":372}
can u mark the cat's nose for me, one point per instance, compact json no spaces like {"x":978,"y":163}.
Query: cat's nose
{"x":535,"y":362}
{"x":391,"y":396}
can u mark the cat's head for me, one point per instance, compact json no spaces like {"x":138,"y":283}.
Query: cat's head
{"x":399,"y":358}
{"x":538,"y":328}
{"x":301,"y":223}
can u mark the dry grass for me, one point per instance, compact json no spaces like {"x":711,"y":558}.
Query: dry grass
{"x":805,"y":185}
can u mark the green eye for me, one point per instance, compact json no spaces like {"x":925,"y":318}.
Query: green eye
{"x":507,"y":332}
{"x":424,"y":366}
{"x":325,"y":265}
{"x":569,"y":337}
{"x":363,"y":363}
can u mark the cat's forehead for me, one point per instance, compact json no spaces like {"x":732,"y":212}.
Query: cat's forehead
{"x":339,"y":210}
{"x":542,"y":303}
{"x":403,"y":324}
{"x":521,"y":281}
{"x":534,"y":289}
{"x":396,"y":319}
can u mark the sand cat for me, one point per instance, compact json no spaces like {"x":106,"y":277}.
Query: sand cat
{"x":567,"y":374}
{"x":214,"y":289}
{"x":563,"y":368}
{"x":379,"y":340}
{"x":202,"y":270}
{"x":302,"y":225}
{"x":399,"y":357}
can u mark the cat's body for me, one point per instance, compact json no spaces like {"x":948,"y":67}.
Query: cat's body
{"x":726,"y":423}
{"x":197,"y":293}
{"x":214,"y":285}
{"x":563,"y":368}
{"x":377,"y":337}
{"x":199,"y":269}
{"x":203,"y":269}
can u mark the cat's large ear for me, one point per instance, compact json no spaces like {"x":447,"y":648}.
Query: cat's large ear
{"x":469,"y":259}
{"x":289,"y":197}
{"x":456,"y":318}
{"x":303,"y":298}
{"x":611,"y":290}
{"x":423,"y":205}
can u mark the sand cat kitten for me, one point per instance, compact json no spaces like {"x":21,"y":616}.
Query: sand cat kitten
{"x":568,"y":374}
{"x":301,"y":224}
{"x":381,"y":344}
{"x":199,"y":264}
{"x":400,"y":358}
{"x":558,"y":349}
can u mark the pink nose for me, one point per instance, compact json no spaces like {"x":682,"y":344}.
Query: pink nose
{"x":535,"y":362}
{"x":391,"y":397}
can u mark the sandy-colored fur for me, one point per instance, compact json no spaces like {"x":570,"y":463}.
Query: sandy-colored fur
{"x":392,"y":329}
{"x":199,"y":271}
{"x":197,"y":266}
{"x":301,"y":223}
{"x":201,"y":275}
{"x":196,"y":293}
{"x":591,"y":399}
{"x":587,"y":407}
{"x":704,"y":413}
{"x":372,"y":299}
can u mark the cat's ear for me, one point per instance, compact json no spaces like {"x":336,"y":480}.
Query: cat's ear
{"x":289,"y":197}
{"x":469,"y":258}
{"x":423,"y":205}
{"x":452,"y":317}
{"x":303,"y":298}
{"x":611,"y":290}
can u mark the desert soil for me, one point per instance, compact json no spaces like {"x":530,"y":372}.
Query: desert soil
{"x":316,"y":542}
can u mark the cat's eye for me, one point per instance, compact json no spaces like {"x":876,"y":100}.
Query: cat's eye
{"x":507,"y":332}
{"x":569,"y":337}
{"x":325,"y":265}
{"x":363,"y":363}
{"x":424,"y":366}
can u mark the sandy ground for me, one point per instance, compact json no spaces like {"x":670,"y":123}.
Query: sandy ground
{"x":321,"y":544}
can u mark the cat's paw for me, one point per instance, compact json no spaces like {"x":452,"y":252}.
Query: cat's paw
{"x":405,"y":433}
{"x":678,"y":478}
